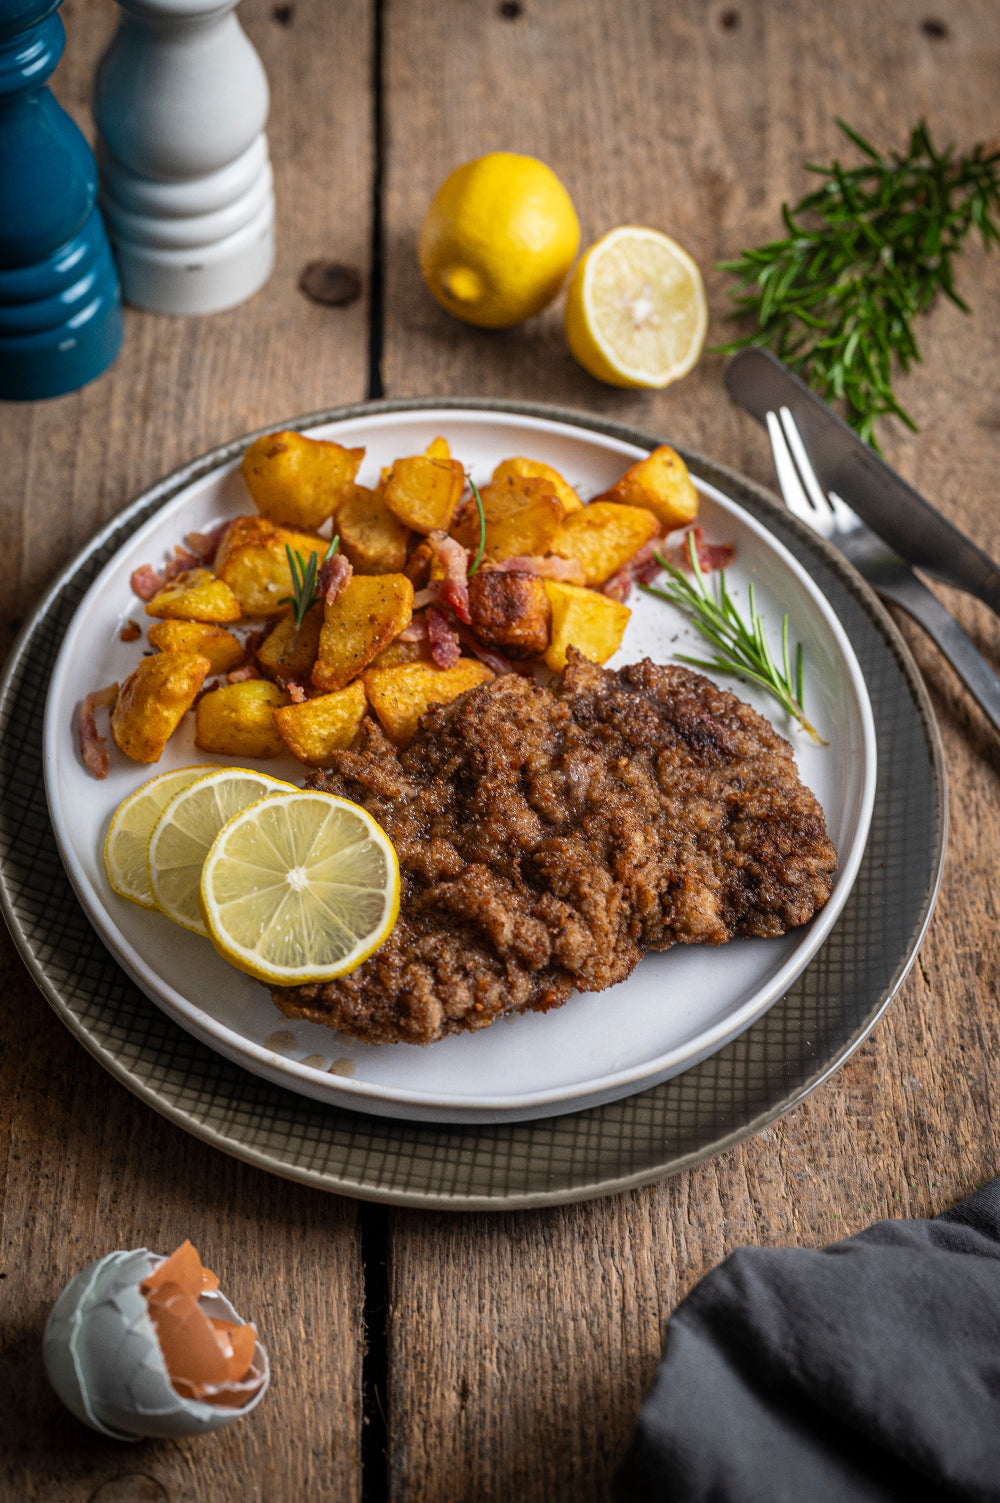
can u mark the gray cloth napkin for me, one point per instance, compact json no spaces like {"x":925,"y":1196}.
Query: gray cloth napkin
{"x":867,"y":1370}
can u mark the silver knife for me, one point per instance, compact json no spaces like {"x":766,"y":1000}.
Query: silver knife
{"x":844,"y":463}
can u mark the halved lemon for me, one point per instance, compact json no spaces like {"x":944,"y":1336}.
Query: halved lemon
{"x":131,"y":826}
{"x":636,"y":313}
{"x":183,"y":835}
{"x":300,"y":887}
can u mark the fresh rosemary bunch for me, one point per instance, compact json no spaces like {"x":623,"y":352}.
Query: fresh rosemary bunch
{"x":864,"y":254}
{"x":741,"y":646}
{"x":305,"y":577}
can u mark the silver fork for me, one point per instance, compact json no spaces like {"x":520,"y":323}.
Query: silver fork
{"x":892,"y":578}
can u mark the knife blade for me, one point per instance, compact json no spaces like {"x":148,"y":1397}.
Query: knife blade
{"x":844,"y":463}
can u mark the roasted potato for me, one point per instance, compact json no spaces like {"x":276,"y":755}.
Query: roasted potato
{"x":523,"y":514}
{"x":195,"y":595}
{"x":582,"y":618}
{"x":285,"y":653}
{"x":372,"y":536}
{"x":222,"y":649}
{"x":237,"y":720}
{"x":423,"y":491}
{"x":398,"y":652}
{"x":535,"y":468}
{"x":152,"y":701}
{"x":399,"y":696}
{"x":604,"y":536}
{"x":253,"y":562}
{"x":438,"y":448}
{"x":510,"y":611}
{"x":297,"y":480}
{"x":662,"y":485}
{"x":317,"y":727}
{"x":370,"y":610}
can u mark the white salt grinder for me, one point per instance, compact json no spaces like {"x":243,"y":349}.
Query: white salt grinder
{"x":181,"y":101}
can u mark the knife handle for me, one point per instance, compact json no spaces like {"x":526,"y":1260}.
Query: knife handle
{"x":968,"y":662}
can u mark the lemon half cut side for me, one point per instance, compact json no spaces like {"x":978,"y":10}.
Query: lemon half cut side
{"x":300,"y":887}
{"x":183,"y":835}
{"x":636,"y":313}
{"x":131,"y":826}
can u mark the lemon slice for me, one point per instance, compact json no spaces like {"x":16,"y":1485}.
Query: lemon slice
{"x":636,"y":313}
{"x":300,"y":887}
{"x":131,"y":826}
{"x":183,"y":834}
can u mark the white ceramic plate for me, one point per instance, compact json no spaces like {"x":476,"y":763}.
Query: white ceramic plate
{"x":674,"y":1010}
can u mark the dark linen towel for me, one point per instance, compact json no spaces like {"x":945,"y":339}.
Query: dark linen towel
{"x":867,"y":1370}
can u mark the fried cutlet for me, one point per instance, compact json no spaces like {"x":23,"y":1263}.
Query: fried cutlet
{"x":547,"y":837}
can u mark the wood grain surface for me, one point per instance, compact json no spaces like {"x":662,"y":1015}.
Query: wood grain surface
{"x":507,"y":1355}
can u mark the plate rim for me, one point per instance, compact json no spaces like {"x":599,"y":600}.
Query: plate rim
{"x":157,"y":494}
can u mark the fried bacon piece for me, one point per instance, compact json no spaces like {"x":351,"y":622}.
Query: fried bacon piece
{"x":93,"y":746}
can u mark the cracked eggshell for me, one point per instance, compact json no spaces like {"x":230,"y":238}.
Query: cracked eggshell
{"x":103,"y":1357}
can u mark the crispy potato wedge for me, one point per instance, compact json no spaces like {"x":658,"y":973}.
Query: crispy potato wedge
{"x":604,"y":536}
{"x":222,"y":649}
{"x":423,"y":491}
{"x":399,"y":696}
{"x":253,"y":562}
{"x":317,"y":727}
{"x":510,"y":611}
{"x":297,"y":480}
{"x":195,"y":595}
{"x":582,"y":618}
{"x":285,"y":653}
{"x":662,"y":485}
{"x":370,"y":610}
{"x":536,"y":469}
{"x":372,"y":536}
{"x":237,"y":720}
{"x":153,"y":700}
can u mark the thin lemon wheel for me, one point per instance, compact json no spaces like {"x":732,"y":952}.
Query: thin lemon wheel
{"x":636,"y":313}
{"x":131,"y":826}
{"x":183,"y":835}
{"x":300,"y":887}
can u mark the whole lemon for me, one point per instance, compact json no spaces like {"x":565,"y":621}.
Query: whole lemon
{"x":498,"y":239}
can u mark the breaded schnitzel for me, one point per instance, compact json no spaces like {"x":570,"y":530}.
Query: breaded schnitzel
{"x":547,"y":837}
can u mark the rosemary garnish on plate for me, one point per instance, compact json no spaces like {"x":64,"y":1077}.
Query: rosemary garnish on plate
{"x":741,"y":646}
{"x":305,"y":577}
{"x":864,"y":254}
{"x":482,"y":525}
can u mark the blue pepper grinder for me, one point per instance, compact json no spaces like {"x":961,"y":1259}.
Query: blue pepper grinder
{"x":60,"y":299}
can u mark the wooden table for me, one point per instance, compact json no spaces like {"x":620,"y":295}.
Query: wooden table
{"x":449,"y":1357}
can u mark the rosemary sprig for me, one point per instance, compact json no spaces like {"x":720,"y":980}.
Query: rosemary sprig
{"x":482,"y":526}
{"x":741,"y":646}
{"x":863,"y":255}
{"x":305,"y":575}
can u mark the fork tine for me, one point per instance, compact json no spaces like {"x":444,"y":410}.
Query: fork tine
{"x":792,"y":489}
{"x":802,"y":463}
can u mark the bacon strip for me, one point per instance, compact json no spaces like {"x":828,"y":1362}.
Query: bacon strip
{"x":145,"y":581}
{"x":94,"y":747}
{"x":205,"y":545}
{"x":239,"y":675}
{"x":295,"y":692}
{"x":444,"y":642}
{"x":710,"y":555}
{"x":568,"y":570}
{"x":492,"y":659}
{"x":415,"y":630}
{"x":642,"y":565}
{"x":333,"y":577}
{"x":454,"y":588}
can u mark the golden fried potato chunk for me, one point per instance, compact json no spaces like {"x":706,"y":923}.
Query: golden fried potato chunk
{"x":523,"y":515}
{"x":316,"y":728}
{"x":398,"y":652}
{"x":510,"y":611}
{"x":195,"y":595}
{"x":286,"y":653}
{"x":537,"y":469}
{"x":423,"y":491}
{"x":253,"y":562}
{"x":298,"y":480}
{"x":237,"y":720}
{"x":662,"y":485}
{"x":604,"y":536}
{"x":370,"y":610}
{"x":372,"y":537}
{"x":399,"y":696}
{"x":153,"y":700}
{"x":582,"y":618}
{"x":223,"y":650}
{"x":438,"y":448}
